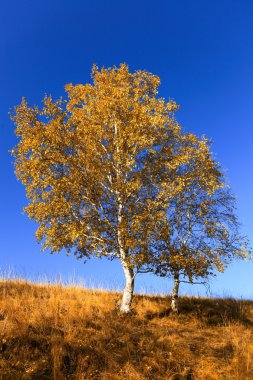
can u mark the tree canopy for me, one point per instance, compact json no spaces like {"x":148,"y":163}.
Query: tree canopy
{"x":101,"y":166}
{"x":199,"y":233}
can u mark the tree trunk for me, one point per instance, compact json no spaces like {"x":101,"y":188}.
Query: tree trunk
{"x":174,"y":296}
{"x":128,"y":289}
{"x":129,"y":273}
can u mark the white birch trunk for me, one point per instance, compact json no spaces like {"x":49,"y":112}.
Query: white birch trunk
{"x":128,"y":272}
{"x":127,"y":296}
{"x":174,"y":296}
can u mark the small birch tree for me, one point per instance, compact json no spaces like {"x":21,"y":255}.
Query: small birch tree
{"x":199,"y":232}
{"x":91,"y":166}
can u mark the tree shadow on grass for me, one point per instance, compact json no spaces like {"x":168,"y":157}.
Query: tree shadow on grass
{"x":215,"y":311}
{"x":160,"y":314}
{"x":211,"y":311}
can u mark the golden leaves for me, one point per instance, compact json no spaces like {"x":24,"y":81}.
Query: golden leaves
{"x":109,"y":162}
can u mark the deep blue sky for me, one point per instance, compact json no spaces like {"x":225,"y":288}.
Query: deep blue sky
{"x":203,"y":52}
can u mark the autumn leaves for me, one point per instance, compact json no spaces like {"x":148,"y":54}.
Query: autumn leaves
{"x":110,"y":172}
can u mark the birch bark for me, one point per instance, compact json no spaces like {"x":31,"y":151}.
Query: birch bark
{"x":128,"y":271}
{"x":127,"y":296}
{"x":174,"y":296}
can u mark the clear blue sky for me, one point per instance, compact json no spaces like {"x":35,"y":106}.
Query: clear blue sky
{"x":203,"y":52}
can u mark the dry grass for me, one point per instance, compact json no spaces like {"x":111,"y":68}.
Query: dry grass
{"x":55,"y":332}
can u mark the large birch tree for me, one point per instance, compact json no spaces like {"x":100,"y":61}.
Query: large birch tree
{"x":94,"y":165}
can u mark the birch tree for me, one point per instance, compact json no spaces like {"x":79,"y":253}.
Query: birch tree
{"x":199,"y":233}
{"x":88,"y":163}
{"x":96,"y":166}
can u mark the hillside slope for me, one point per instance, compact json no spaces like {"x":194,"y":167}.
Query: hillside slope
{"x":55,"y":332}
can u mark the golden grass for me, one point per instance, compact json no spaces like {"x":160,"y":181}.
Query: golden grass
{"x":56,"y":332}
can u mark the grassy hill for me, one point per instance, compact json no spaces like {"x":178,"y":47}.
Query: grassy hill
{"x":55,"y":332}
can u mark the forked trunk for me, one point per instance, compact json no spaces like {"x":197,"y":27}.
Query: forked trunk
{"x":174,"y":296}
{"x":128,"y":289}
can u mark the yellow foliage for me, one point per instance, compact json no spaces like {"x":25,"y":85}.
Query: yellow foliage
{"x":93,"y":163}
